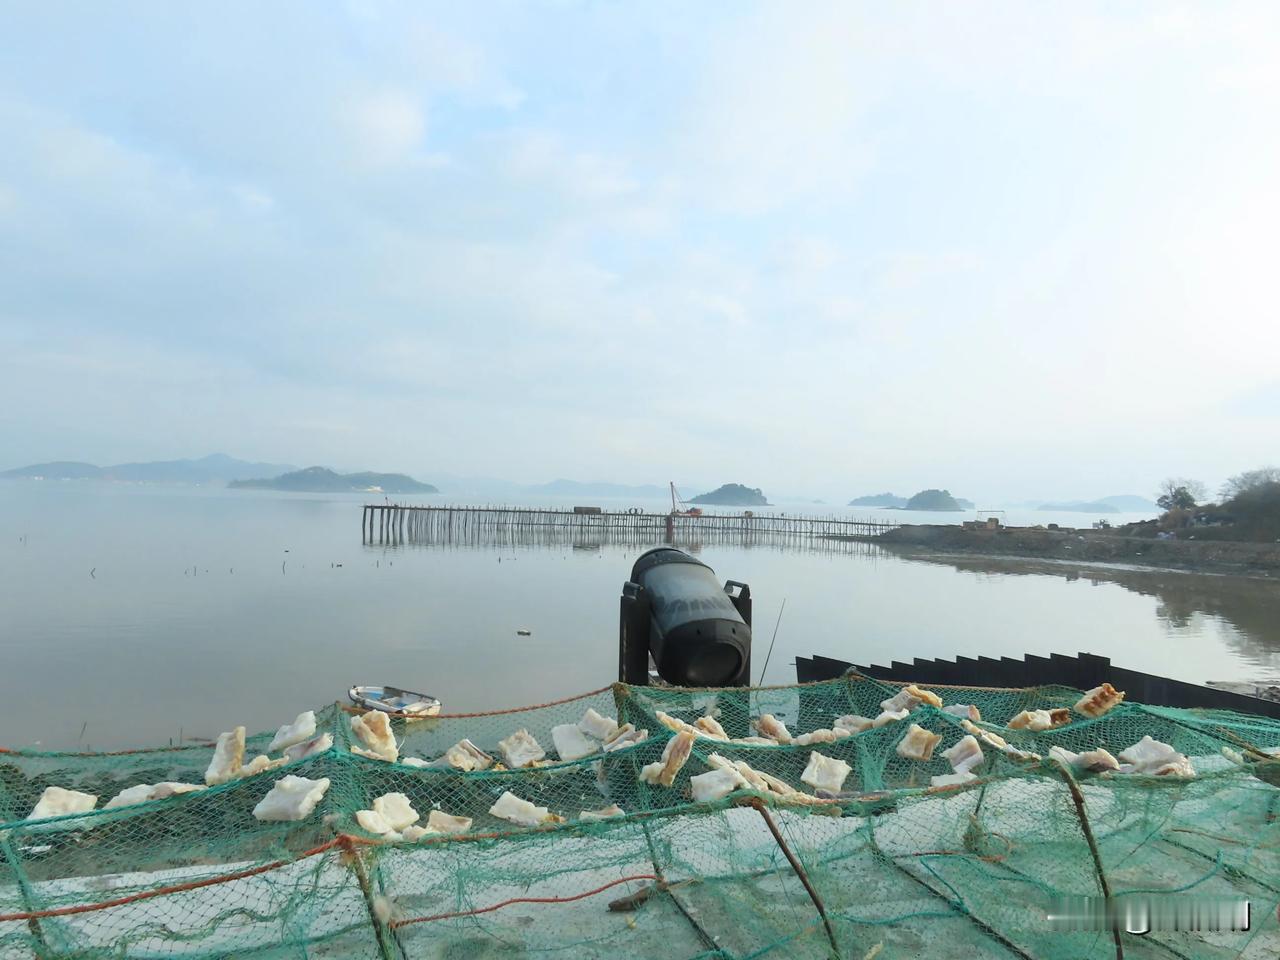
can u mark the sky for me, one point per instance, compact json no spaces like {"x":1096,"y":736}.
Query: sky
{"x":1017,"y":250}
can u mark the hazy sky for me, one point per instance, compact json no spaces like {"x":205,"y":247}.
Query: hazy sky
{"x":1019,"y":250}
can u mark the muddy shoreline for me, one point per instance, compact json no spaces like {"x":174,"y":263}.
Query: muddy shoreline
{"x":1259,"y":560}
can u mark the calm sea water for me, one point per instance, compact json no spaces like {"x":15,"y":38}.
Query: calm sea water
{"x":131,"y":616}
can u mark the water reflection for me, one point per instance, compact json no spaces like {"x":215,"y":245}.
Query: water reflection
{"x":1248,"y":607}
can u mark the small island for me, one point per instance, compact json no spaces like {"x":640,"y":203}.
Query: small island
{"x":733,"y":495}
{"x":937,"y":500}
{"x":879,"y":500}
{"x":324,"y":480}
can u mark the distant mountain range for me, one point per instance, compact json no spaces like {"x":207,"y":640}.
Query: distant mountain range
{"x":215,"y":468}
{"x":324,"y":480}
{"x":1123,"y":503}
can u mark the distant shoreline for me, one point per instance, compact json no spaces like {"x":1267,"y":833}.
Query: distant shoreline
{"x":1084,"y":547}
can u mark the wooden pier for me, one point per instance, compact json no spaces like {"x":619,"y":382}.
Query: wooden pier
{"x":393,"y":524}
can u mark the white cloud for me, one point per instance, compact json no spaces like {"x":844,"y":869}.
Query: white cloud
{"x":386,"y":127}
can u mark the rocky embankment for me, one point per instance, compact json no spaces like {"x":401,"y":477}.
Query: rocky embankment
{"x":1088,"y":546}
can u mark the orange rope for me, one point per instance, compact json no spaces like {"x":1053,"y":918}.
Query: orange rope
{"x":507,"y":903}
{"x":177,"y":888}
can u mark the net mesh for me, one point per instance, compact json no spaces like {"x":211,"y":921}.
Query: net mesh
{"x":889,"y":866}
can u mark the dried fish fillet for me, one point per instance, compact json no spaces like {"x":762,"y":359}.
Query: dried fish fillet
{"x":965,"y":755}
{"x":58,"y":802}
{"x":228,"y":757}
{"x":1039,"y":720}
{"x":853,"y":723}
{"x":373,"y":729}
{"x":674,"y":724}
{"x":440,"y":822}
{"x":770,"y":726}
{"x":598,"y":726}
{"x":1095,"y":761}
{"x":314,"y":745}
{"x":415,"y":833}
{"x":716,"y":784}
{"x":815,"y":736}
{"x":466,"y":756}
{"x":967,"y":710}
{"x":902,"y":700}
{"x":260,"y":763}
{"x":663,"y":772}
{"x":1099,"y":700}
{"x":825,"y":773}
{"x":756,"y":741}
{"x":302,"y":728}
{"x":571,"y":743}
{"x":291,"y":798}
{"x":999,"y":742}
{"x":373,"y":822}
{"x":710,"y":727}
{"x":168,"y":788}
{"x":521,"y":749}
{"x":129,"y":796}
{"x":511,"y":808}
{"x":918,"y":744}
{"x":396,"y":809}
{"x":890,"y":716}
{"x":604,"y":813}
{"x":627,"y":736}
{"x":1157,"y":759}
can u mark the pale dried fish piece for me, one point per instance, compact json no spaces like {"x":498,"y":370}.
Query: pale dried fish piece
{"x":59,"y":802}
{"x":291,"y":798}
{"x":925,"y":696}
{"x":627,"y":736}
{"x":511,"y":808}
{"x":415,"y":833}
{"x":571,"y":743}
{"x":373,"y":822}
{"x":315,"y":745}
{"x":595,"y":725}
{"x":902,"y":700}
{"x":716,"y":784}
{"x":228,"y":757}
{"x":521,"y":749}
{"x":396,"y":809}
{"x":770,"y":726}
{"x":374,"y":730}
{"x":967,"y":710}
{"x":302,"y":728}
{"x":605,"y":813}
{"x":440,"y":822}
{"x":1040,"y":720}
{"x":674,"y":724}
{"x":999,"y":742}
{"x":260,"y":763}
{"x":951,"y":779}
{"x":825,"y":773}
{"x":129,"y":796}
{"x":663,"y":772}
{"x":890,"y":716}
{"x":965,"y":755}
{"x":170,"y":788}
{"x":852,"y":722}
{"x":1095,"y":761}
{"x":918,"y":744}
{"x":756,"y":741}
{"x":710,"y":727}
{"x":466,"y":756}
{"x":815,"y":736}
{"x":1099,"y":700}
{"x":1159,"y":759}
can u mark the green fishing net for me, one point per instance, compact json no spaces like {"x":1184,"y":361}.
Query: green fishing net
{"x":885,"y":866}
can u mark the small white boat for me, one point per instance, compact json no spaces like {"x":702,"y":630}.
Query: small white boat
{"x":394,"y":700}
